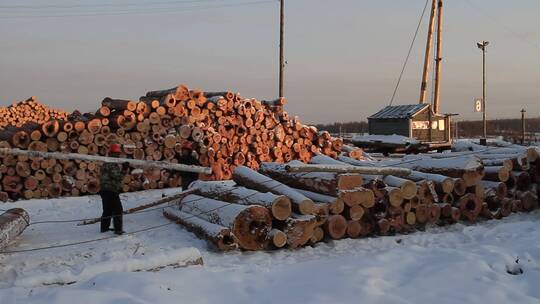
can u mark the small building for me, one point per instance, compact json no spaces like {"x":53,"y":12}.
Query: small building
{"x":416,"y":121}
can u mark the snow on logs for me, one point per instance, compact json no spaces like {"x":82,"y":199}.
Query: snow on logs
{"x":249,"y":224}
{"x":228,"y":191}
{"x":250,"y":178}
{"x":12,"y":223}
{"x":353,"y":205}
{"x":221,"y":237}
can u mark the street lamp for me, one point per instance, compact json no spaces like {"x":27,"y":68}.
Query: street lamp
{"x":483,"y":46}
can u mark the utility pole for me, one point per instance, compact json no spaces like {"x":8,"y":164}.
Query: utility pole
{"x":281,"y":32}
{"x":483,"y":46}
{"x":427,"y":59}
{"x":523,"y":126}
{"x":438,"y":59}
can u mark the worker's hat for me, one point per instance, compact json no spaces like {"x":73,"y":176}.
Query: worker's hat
{"x":115,"y":148}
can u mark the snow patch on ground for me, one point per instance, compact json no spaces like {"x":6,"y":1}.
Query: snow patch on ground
{"x":453,"y":264}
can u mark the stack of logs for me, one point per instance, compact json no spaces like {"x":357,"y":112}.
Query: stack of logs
{"x":226,"y":131}
{"x":30,"y":110}
{"x":297,"y":204}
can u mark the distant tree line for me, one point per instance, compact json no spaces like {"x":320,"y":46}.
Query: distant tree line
{"x":467,"y":128}
{"x":344,"y":127}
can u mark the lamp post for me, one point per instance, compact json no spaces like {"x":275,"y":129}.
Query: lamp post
{"x":523,"y":126}
{"x":483,"y":46}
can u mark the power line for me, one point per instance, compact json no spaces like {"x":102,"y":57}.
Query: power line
{"x":140,"y":12}
{"x":409,"y":53}
{"x":61,"y":6}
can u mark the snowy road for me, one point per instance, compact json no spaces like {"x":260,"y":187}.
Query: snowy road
{"x":456,"y":264}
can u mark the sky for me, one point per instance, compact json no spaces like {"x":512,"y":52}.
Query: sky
{"x":343,"y":56}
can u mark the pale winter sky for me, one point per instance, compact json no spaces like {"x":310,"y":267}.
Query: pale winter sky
{"x":344,"y":56}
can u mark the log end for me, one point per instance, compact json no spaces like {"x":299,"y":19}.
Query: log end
{"x":251,"y":228}
{"x":281,"y":208}
{"x":306,"y":207}
{"x":336,"y":227}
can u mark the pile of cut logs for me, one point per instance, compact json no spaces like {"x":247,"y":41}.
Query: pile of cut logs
{"x":226,"y":130}
{"x":28,"y":111}
{"x":296,"y":204}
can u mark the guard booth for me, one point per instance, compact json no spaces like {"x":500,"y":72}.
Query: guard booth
{"x":415,"y":121}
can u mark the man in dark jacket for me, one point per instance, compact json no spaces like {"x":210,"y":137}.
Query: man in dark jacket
{"x":187,"y":159}
{"x":111,"y":186}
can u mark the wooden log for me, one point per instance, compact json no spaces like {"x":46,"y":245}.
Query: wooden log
{"x":354,"y":213}
{"x":181,"y":92}
{"x":278,"y":238}
{"x":250,"y":178}
{"x":496,"y":173}
{"x":408,"y":188}
{"x":12,"y":224}
{"x":470,"y":207}
{"x":298,"y":228}
{"x":219,"y":236}
{"x":348,"y":169}
{"x":498,"y":188}
{"x":443,"y":184}
{"x":354,"y":229}
{"x":459,"y":187}
{"x":335,"y":227}
{"x":529,"y":200}
{"x":523,"y":180}
{"x":119,"y":104}
{"x":134,"y":162}
{"x":249,"y":224}
{"x":321,"y":182}
{"x":335,"y":204}
{"x":228,"y":191}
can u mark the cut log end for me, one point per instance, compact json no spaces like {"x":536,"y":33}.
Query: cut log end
{"x":336,"y":227}
{"x":278,"y":238}
{"x":281,"y":208}
{"x":251,"y":227}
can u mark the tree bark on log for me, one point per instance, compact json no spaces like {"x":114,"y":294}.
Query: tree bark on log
{"x":335,"y":204}
{"x":228,"y":191}
{"x":443,"y":184}
{"x":252,"y":179}
{"x":321,"y":182}
{"x":249,"y":224}
{"x":496,"y":173}
{"x":408,"y":188}
{"x":219,"y":236}
{"x":12,"y":223}
{"x":298,"y":228}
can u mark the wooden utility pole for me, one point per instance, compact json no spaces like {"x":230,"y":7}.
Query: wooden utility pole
{"x":427,"y":59}
{"x":438,"y":59}
{"x":281,"y":54}
{"x":483,"y":46}
{"x":523,"y":126}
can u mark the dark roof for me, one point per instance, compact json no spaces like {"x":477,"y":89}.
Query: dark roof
{"x":401,"y":111}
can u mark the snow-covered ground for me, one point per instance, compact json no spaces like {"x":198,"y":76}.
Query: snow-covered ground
{"x":456,"y":264}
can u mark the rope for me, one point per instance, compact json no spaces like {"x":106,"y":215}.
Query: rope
{"x":141,"y":230}
{"x":409,"y":53}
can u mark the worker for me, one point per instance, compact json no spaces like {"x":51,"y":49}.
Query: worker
{"x":111,"y":185}
{"x":187,"y":158}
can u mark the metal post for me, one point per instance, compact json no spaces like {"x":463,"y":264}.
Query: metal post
{"x":483,"y":46}
{"x":281,"y":32}
{"x":523,"y":126}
